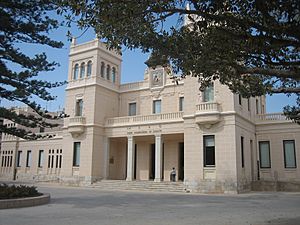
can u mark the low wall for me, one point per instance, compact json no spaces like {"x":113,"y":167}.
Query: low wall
{"x":24,"y":202}
{"x":275,"y":186}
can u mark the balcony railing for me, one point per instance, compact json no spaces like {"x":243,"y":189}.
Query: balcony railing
{"x":174,"y":116}
{"x":207,"y":107}
{"x":271,"y":117}
{"x":77,"y":120}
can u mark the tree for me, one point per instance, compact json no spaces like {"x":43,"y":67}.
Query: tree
{"x":250,"y":46}
{"x":25,"y":22}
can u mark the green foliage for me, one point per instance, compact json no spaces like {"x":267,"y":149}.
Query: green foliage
{"x":250,"y":46}
{"x":25,"y":22}
{"x":21,"y":191}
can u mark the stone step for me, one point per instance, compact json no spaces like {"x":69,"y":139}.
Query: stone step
{"x":140,"y":186}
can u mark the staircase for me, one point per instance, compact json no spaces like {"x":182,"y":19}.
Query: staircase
{"x":140,"y":186}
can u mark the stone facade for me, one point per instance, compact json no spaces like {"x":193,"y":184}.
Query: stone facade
{"x":215,"y":140}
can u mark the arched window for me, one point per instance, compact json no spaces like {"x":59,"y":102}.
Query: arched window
{"x":108,"y":72}
{"x":89,"y":69}
{"x":102,"y":69}
{"x":113,"y":74}
{"x":76,"y":70}
{"x":82,"y":70}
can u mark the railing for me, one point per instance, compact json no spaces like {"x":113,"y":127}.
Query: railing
{"x":83,"y":46}
{"x":207,"y":107}
{"x":271,"y":116}
{"x":76,"y":120}
{"x":143,"y":119}
{"x":130,"y":86}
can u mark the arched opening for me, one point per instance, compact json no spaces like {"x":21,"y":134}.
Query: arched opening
{"x":102,"y":69}
{"x":108,"y":72}
{"x":89,"y":68}
{"x":82,"y":70}
{"x":76,"y":70}
{"x":113,"y":75}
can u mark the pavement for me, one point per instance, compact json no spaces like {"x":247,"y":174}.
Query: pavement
{"x":92,"y":206}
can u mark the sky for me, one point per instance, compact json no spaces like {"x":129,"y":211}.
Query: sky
{"x":133,"y":68}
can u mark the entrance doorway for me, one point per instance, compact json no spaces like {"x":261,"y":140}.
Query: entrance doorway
{"x":181,"y":161}
{"x":152,"y":162}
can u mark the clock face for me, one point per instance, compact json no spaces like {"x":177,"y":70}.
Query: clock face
{"x":157,"y":77}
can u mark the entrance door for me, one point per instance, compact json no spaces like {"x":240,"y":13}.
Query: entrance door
{"x":152,"y":162}
{"x":181,"y":161}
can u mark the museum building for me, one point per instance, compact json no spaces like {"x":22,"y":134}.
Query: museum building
{"x":217,"y":141}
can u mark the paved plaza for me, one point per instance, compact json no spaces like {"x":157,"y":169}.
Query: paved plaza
{"x":91,"y":206}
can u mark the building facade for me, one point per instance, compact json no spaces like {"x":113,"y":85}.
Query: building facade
{"x":217,"y":141}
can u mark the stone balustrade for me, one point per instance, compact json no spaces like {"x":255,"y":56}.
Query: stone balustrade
{"x":77,"y":120}
{"x":271,"y":116}
{"x":76,"y":125}
{"x":141,"y":119}
{"x":207,"y":107}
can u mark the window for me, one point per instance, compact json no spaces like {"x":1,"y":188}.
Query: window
{"x":181,"y":101}
{"x":113,"y":75}
{"x":28,"y":158}
{"x":209,"y":150}
{"x":42,"y":129}
{"x":76,"y":154}
{"x":76,"y":70}
{"x":108,"y":72}
{"x":289,"y":154}
{"x":248,"y":103}
{"x":41,"y":158}
{"x":257,"y":110}
{"x":264,"y":154}
{"x":82,"y":70}
{"x":132,"y":109}
{"x":156,"y":106}
{"x":89,"y":69}
{"x":102,"y":69}
{"x":208,"y":93}
{"x":79,"y":107}
{"x":240,"y":99}
{"x":242,"y":152}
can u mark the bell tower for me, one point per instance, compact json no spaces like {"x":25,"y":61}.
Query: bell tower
{"x":92,"y":95}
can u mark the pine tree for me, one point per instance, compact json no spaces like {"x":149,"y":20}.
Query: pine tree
{"x":25,"y":22}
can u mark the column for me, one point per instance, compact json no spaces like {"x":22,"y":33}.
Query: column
{"x":130,"y":158}
{"x":158,"y":158}
{"x":106,"y":147}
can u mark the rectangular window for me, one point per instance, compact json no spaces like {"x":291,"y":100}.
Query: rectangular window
{"x":209,"y":150}
{"x":264,"y":154}
{"x":289,"y":154}
{"x":156,"y":106}
{"x":19,"y":158}
{"x":248,"y":101}
{"x":208,"y":93}
{"x":28,"y":158}
{"x":49,"y":161}
{"x":242,"y":152}
{"x":257,"y":109}
{"x":132,"y":109}
{"x":181,"y":101}
{"x":60,"y":160}
{"x":76,"y":154}
{"x":240,"y":99}
{"x":41,"y":158}
{"x":79,"y":107}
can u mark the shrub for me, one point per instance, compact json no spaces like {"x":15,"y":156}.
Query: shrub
{"x":21,"y":191}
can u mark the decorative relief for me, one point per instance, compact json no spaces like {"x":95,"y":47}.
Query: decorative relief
{"x":157,"y":78}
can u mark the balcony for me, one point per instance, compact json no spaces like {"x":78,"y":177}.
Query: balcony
{"x":145,"y":119}
{"x":76,"y":125}
{"x":207,"y":113}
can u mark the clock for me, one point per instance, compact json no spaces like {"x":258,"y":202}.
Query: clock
{"x":157,"y":77}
